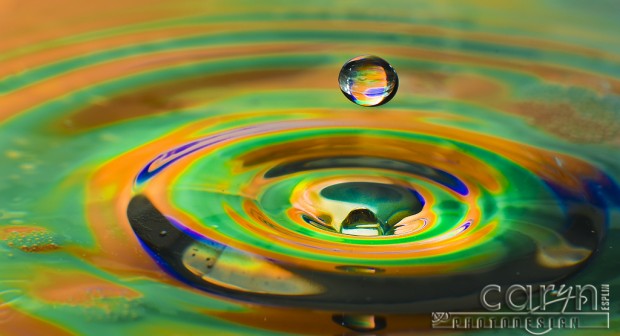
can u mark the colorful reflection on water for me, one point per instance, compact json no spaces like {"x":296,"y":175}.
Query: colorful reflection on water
{"x":185,"y":167}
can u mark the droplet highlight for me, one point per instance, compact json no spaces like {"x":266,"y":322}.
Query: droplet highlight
{"x":368,"y":80}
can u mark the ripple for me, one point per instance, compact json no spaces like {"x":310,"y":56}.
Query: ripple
{"x":266,"y":196}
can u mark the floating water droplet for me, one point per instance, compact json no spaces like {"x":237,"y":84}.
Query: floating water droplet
{"x":368,"y":80}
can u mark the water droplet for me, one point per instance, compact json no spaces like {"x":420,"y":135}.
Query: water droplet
{"x":368,"y":80}
{"x":163,"y":233}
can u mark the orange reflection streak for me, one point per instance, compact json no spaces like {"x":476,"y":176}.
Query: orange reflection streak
{"x":23,"y":324}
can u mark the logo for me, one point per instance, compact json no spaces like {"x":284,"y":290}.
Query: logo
{"x":536,"y":309}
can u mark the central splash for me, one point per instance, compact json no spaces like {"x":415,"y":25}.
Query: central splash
{"x":360,"y":208}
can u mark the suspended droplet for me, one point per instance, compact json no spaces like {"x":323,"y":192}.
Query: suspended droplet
{"x":368,"y":80}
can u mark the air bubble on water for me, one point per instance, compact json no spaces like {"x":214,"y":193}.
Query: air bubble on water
{"x":368,"y":80}
{"x":33,"y":240}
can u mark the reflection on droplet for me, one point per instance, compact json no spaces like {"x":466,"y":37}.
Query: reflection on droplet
{"x":368,"y":80}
